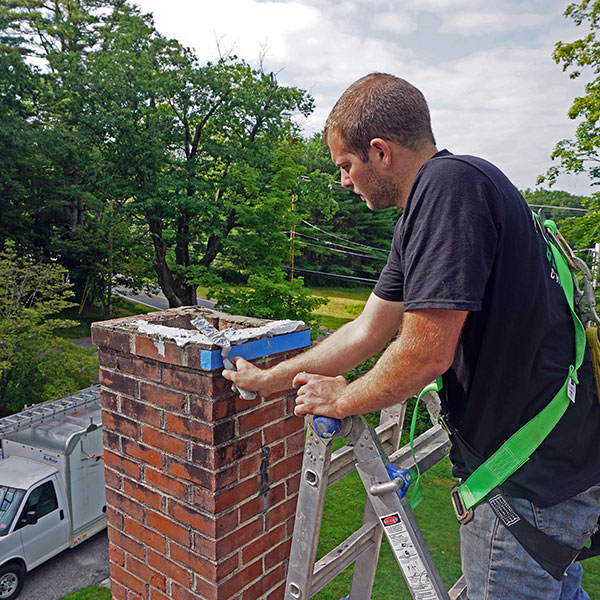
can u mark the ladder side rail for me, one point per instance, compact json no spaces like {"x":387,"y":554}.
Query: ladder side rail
{"x":48,"y":410}
{"x":309,"y":514}
{"x":342,"y":460}
{"x":459,"y":590}
{"x":400,"y":526}
{"x":430,"y":447}
{"x":393,"y":415}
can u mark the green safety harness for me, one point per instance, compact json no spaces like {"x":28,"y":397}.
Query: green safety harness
{"x":487,"y":476}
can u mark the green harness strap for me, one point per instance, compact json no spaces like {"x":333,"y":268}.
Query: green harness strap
{"x":521,"y":445}
{"x":516,"y":451}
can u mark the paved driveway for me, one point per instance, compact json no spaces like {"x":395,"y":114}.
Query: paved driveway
{"x":69,"y":571}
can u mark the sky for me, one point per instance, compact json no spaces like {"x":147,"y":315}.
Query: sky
{"x":486,"y":68}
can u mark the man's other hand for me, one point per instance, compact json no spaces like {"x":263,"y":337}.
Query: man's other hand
{"x":319,"y":395}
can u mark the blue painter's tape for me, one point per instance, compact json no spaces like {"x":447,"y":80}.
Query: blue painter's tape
{"x":211,"y":359}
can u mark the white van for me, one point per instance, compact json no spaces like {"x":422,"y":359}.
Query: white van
{"x":52,"y":493}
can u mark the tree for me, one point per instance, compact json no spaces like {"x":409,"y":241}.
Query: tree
{"x":581,"y":154}
{"x":35,"y":365}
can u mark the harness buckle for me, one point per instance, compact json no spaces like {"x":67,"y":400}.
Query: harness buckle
{"x":463,"y":514}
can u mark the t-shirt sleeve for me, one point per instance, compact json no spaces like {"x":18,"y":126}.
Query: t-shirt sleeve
{"x":445,"y":244}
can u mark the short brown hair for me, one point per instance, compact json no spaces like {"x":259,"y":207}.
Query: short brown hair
{"x":380,"y":105}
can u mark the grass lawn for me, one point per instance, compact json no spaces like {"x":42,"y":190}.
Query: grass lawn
{"x":91,"y":313}
{"x":344,"y":305}
{"x":94,"y":592}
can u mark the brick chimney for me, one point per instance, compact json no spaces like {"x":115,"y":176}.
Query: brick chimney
{"x":201,"y":484}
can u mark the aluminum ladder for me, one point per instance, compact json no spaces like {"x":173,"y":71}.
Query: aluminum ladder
{"x":385,"y":510}
{"x":49,"y":410}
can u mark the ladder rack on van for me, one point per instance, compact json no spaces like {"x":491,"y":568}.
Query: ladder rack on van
{"x":49,"y":410}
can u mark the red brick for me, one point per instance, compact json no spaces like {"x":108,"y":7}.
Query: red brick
{"x":127,"y":580}
{"x":239,"y":580}
{"x":144,"y":369}
{"x":164,"y":441}
{"x":261,"y":503}
{"x":118,"y":592}
{"x":276,"y":452}
{"x":124,"y":504}
{"x":208,"y":592}
{"x":205,"y":499}
{"x":163,"y":397}
{"x":242,"y":406}
{"x":190,"y":472}
{"x":285,"y":468}
{"x":203,"y":384}
{"x":192,"y":517}
{"x":158,"y":595}
{"x":263,"y":544}
{"x":146,"y":536}
{"x":277,"y":593}
{"x":111,"y":440}
{"x":109,"y":400}
{"x":116,"y":555}
{"x":114,"y":517}
{"x":292,"y":485}
{"x":112,"y":478}
{"x":105,"y":338}
{"x":260,"y":417}
{"x":281,"y":429}
{"x":250,"y":465}
{"x":167,"y":484}
{"x":236,"y":494}
{"x":129,"y":545}
{"x":171,"y":569}
{"x":143,"y":494}
{"x":143,"y":454}
{"x":264,"y":584}
{"x":279,"y":554}
{"x":144,"y":413}
{"x":145,"y":573}
{"x":212,"y":410}
{"x":168,"y":527}
{"x":208,"y":569}
{"x":239,"y":538}
{"x":120,"y":424}
{"x":170,"y":353}
{"x":199,"y":431}
{"x":118,"y":382}
{"x":295,"y":443}
{"x":214,"y":458}
{"x":122,"y":464}
{"x":280,"y":513}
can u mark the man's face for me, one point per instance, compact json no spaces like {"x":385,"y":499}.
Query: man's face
{"x":363,"y":178}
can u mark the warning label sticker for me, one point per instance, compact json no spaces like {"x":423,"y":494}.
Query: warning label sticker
{"x":408,"y":558}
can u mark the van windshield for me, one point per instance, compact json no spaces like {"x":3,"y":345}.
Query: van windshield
{"x":10,"y":500}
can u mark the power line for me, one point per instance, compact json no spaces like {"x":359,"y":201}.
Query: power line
{"x":558,"y":207}
{"x":328,"y":243}
{"x":336,"y":275}
{"x":343,"y":239}
{"x":345,"y":252}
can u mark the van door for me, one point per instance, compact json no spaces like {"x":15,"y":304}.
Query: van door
{"x":50,"y":534}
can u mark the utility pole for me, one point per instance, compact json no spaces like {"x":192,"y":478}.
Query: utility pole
{"x":292,"y":236}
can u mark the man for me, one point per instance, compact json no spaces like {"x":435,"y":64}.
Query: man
{"x":470,"y":294}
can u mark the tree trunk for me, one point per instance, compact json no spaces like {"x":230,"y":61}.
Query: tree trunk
{"x":165,"y":277}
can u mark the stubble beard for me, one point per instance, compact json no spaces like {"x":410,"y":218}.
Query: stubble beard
{"x":381,"y":193}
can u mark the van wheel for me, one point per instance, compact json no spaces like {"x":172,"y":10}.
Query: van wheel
{"x":11,"y":581}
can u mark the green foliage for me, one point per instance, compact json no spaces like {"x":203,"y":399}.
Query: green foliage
{"x":580,"y":155}
{"x":93,"y":592}
{"x":35,"y":364}
{"x":546,"y":199}
{"x":270,"y":297}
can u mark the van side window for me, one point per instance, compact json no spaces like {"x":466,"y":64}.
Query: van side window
{"x":42,"y":499}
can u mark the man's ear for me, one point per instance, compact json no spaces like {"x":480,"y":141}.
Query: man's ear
{"x":381,"y":150}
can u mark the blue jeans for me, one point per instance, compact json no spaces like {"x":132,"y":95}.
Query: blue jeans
{"x":495,"y":565}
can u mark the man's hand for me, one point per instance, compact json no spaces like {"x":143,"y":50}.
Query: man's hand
{"x":250,"y":377}
{"x":319,"y":394}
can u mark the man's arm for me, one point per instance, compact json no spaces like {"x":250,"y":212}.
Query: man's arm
{"x":424,"y":350}
{"x":341,"y":351}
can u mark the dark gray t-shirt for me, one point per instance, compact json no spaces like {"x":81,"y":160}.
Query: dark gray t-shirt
{"x":467,"y":240}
